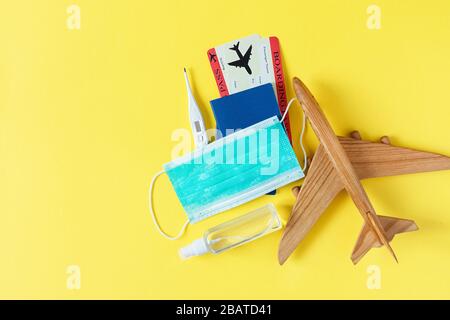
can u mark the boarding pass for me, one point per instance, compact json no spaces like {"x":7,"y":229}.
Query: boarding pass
{"x":249,"y":62}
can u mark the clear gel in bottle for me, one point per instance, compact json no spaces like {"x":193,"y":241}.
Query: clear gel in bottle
{"x":236,"y":232}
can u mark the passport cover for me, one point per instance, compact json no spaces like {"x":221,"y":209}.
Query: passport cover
{"x":243,"y":109}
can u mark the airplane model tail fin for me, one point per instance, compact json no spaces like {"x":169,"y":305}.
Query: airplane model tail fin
{"x":235,"y":47}
{"x":368,"y":238}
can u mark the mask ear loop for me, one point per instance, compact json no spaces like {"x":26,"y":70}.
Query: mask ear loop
{"x":305,"y":158}
{"x":150,"y":204}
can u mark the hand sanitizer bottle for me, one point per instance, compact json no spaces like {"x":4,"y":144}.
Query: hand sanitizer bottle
{"x":236,"y":232}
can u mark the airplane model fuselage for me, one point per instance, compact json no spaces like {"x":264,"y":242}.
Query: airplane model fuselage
{"x":243,"y":60}
{"x":340,"y":163}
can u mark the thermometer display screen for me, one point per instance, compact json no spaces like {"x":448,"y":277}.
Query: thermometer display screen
{"x":197,"y":126}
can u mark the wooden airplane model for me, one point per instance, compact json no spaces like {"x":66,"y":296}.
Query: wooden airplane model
{"x":339,"y":163}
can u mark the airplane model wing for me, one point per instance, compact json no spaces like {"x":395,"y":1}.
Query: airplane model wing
{"x":237,"y":63}
{"x":322,"y":184}
{"x":247,"y":55}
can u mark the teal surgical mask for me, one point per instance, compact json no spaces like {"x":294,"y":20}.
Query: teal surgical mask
{"x":231,"y":171}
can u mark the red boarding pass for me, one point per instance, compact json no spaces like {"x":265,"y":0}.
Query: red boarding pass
{"x":249,"y":62}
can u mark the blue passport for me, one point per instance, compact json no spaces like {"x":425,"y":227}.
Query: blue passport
{"x":243,"y":109}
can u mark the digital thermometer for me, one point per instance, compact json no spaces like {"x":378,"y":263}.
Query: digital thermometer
{"x":195,"y":116}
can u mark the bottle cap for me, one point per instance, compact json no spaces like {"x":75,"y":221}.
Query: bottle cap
{"x":196,"y":248}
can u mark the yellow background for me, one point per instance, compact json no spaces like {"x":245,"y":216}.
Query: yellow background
{"x":86,"y":118}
